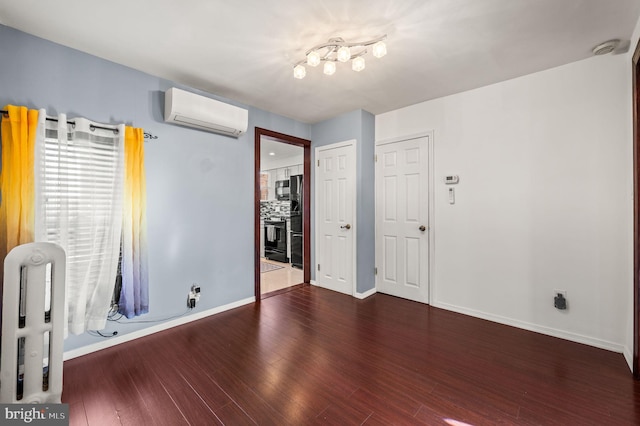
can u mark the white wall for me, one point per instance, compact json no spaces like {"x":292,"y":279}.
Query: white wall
{"x":544,"y":200}
{"x":628,"y":353}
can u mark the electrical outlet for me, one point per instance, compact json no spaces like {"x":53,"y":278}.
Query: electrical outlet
{"x":194,"y":296}
{"x":560,"y":299}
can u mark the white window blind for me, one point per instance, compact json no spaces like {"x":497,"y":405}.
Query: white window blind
{"x":79,"y":186}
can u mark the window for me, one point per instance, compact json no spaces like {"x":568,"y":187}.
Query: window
{"x":79,"y":187}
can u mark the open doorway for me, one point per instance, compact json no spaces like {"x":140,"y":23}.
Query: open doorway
{"x":282,"y":240}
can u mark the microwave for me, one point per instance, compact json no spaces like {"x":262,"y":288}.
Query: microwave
{"x":282,"y":190}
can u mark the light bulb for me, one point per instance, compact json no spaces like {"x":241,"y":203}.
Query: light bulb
{"x":313,"y":59}
{"x":329,"y":68}
{"x":344,"y":54}
{"x":357,"y":64}
{"x":379,"y":49}
{"x":299,"y":72}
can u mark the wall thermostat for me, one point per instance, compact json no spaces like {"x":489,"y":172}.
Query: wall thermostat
{"x":451,"y":179}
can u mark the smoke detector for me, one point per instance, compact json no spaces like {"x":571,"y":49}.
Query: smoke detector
{"x":606,"y":47}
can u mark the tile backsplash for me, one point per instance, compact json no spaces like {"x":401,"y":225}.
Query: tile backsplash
{"x":274,"y":208}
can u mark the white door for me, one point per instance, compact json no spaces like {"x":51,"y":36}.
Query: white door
{"x":335,"y":213}
{"x":402,"y":219}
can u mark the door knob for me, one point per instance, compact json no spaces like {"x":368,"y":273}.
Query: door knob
{"x":347,"y":226}
{"x":422,"y":228}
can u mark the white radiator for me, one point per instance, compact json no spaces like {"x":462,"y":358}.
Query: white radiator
{"x":33,"y":315}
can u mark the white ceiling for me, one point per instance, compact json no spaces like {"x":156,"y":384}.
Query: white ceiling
{"x":278,"y":154}
{"x":278,"y":148}
{"x":245,"y":49}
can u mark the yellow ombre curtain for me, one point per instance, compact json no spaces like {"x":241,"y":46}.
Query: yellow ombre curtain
{"x":134,"y":296}
{"x":17,"y":205}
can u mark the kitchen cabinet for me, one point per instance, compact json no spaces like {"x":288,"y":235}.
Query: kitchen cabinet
{"x":285,"y":173}
{"x":281,"y":173}
{"x":298,"y":169}
{"x":271,"y":193}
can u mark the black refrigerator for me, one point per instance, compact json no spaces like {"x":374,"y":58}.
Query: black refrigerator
{"x":295,"y":188}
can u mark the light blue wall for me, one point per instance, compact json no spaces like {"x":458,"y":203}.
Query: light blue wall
{"x":358,"y":125}
{"x":366,"y":205}
{"x":199,"y":185}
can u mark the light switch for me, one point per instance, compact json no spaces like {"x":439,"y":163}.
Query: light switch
{"x":451,"y":179}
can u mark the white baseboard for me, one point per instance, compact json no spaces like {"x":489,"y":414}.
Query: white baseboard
{"x":357,"y":295}
{"x":573,"y":337}
{"x":74,"y":353}
{"x":366,"y":293}
{"x":628,"y":356}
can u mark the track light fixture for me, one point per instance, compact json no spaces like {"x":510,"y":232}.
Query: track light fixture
{"x":338,"y":50}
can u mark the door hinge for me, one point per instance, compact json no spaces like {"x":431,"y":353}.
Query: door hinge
{"x":318,"y":163}
{"x":375,"y":271}
{"x":318,"y":266}
{"x":375,"y":158}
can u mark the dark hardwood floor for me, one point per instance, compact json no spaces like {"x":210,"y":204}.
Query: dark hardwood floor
{"x":312,"y":356}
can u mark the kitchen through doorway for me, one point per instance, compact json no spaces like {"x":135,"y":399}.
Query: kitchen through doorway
{"x":282,"y":212}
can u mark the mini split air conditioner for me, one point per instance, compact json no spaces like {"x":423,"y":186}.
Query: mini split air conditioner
{"x":191,"y":110}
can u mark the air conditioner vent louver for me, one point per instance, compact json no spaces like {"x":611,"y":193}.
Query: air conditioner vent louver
{"x":192,"y":110}
{"x":189,"y":122}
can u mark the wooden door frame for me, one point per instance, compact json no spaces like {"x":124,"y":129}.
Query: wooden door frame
{"x":306,"y":195}
{"x":636,"y":212}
